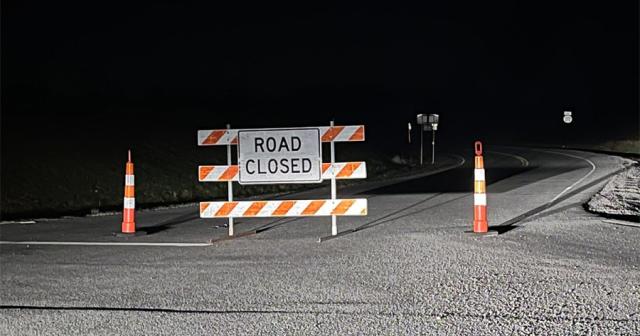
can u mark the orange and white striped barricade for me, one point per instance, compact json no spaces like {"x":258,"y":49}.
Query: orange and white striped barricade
{"x":331,"y":170}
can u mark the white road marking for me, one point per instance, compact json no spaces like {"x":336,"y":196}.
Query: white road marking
{"x":524,"y":162}
{"x":462,"y":160}
{"x":17,"y":222}
{"x":72,"y":243}
{"x":593,"y":168}
{"x":619,"y":222}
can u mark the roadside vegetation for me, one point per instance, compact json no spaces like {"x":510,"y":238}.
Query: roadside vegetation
{"x":56,"y":179}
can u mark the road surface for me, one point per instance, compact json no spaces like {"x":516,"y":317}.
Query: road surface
{"x":409,"y":267}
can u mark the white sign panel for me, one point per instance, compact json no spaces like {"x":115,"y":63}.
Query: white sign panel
{"x":567,"y":117}
{"x":269,"y":156}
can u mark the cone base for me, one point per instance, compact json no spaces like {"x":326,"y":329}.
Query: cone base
{"x":489,"y":233}
{"x":132,"y":234}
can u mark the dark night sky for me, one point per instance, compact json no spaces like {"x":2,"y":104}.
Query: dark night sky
{"x":503,"y":68}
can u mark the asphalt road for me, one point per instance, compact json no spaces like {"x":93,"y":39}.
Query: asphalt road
{"x":409,"y":267}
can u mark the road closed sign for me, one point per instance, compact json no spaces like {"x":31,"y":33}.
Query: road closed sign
{"x":269,"y":156}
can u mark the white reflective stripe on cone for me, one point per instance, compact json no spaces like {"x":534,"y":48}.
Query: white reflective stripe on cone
{"x":129,"y":180}
{"x":479,"y":199}
{"x":478,"y":174}
{"x":129,"y":203}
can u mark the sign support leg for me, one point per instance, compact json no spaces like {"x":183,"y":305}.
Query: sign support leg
{"x":334,"y":224}
{"x":230,"y":185}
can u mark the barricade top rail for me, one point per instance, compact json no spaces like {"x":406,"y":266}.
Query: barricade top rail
{"x":327,"y":134}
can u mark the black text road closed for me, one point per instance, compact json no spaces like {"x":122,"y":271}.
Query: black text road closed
{"x":280,"y":156}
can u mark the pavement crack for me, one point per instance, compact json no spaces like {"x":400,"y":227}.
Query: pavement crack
{"x":317,"y":313}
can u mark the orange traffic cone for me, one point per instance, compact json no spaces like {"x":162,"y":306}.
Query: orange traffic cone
{"x":128,"y":215}
{"x":480,"y":224}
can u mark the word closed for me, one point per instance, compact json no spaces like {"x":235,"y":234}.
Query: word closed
{"x":270,"y":156}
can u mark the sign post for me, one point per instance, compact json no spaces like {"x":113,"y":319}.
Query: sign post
{"x":229,"y":185}
{"x":567,"y":119}
{"x":421,"y":144}
{"x":433,"y":146}
{"x":428,"y":122}
{"x":421,"y":120}
{"x":432,"y":124}
{"x":334,"y":224}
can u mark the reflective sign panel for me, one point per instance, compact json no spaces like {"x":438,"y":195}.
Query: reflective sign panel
{"x":270,"y":156}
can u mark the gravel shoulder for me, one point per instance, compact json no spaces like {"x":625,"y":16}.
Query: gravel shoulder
{"x":620,"y":196}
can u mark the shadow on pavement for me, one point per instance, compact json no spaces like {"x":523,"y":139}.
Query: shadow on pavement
{"x":457,"y":180}
{"x":531,"y":214}
{"x":461,"y":180}
{"x":168,"y":224}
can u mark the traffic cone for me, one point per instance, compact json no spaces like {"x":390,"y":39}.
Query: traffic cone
{"x":128,"y":214}
{"x":480,"y":224}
